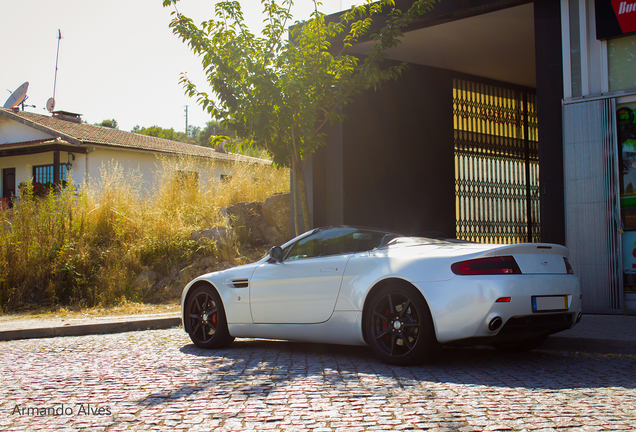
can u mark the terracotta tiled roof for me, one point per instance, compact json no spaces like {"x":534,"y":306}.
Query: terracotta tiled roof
{"x":85,"y":135}
{"x":27,"y":143}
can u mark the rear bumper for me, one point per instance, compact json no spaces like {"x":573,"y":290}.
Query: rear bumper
{"x":532,"y":326}
{"x":465,"y":307}
{"x":521,"y":328}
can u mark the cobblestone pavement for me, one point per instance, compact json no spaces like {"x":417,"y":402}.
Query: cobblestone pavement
{"x":157,"y":380}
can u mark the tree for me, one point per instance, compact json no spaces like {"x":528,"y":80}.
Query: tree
{"x":194,"y":132}
{"x":169,"y":134}
{"x":213,"y":129}
{"x":278,"y":92}
{"x":112,"y":123}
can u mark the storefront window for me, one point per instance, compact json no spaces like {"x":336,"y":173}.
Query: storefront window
{"x":621,"y":54}
{"x":627,"y":152}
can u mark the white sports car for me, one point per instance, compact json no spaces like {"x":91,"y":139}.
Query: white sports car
{"x":403,"y":296}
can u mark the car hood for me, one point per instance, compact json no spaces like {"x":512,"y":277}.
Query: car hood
{"x":239,"y":272}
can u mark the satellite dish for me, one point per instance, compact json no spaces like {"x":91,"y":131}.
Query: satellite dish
{"x":17,"y":97}
{"x":50,"y":105}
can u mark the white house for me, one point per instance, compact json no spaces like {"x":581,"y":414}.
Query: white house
{"x":60,"y":147}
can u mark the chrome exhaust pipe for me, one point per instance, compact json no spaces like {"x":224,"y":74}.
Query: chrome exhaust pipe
{"x":495,"y":323}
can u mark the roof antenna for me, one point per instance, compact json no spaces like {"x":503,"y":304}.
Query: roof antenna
{"x":50,"y":104}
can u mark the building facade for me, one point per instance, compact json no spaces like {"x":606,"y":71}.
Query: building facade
{"x":599,"y":100}
{"x":60,"y":148}
{"x":503,"y":129}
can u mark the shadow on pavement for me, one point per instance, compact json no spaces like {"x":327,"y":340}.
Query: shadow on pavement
{"x":259,"y":367}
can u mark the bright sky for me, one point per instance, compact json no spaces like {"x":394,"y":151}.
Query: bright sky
{"x":118,"y":59}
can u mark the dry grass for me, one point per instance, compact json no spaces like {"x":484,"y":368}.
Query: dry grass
{"x":125,"y":308}
{"x":84,"y":247}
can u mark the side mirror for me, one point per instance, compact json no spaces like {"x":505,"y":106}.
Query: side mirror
{"x":276,"y":254}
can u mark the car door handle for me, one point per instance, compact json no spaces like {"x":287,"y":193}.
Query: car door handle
{"x":328,"y":269}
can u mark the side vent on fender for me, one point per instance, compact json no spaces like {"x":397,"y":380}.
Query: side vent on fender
{"x":237,"y":283}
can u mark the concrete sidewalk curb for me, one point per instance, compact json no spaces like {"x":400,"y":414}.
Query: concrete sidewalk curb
{"x":86,"y":329}
{"x":601,"y":346}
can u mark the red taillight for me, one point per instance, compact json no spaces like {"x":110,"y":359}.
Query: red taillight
{"x":568,"y":267}
{"x":486,"y":266}
{"x":503,"y":300}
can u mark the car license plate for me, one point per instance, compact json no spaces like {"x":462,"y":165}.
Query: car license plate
{"x":549,"y":303}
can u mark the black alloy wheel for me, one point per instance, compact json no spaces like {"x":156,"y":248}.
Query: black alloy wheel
{"x":205,"y":319}
{"x":399,"y":326}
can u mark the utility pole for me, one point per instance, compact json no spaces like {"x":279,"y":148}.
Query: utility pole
{"x":186,"y":130}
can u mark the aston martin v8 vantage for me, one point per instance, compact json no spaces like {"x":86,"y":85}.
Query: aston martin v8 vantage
{"x":402,"y":296}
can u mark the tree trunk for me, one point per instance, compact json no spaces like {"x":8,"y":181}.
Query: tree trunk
{"x":302,"y":189}
{"x":295,"y":191}
{"x":299,"y":179}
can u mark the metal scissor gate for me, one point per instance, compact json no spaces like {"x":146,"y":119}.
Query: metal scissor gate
{"x":496,"y":164}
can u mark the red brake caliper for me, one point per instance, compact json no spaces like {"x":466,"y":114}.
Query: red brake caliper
{"x":384,"y":323}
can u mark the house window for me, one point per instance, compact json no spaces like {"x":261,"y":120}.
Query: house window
{"x":44,"y":173}
{"x":187,"y":178}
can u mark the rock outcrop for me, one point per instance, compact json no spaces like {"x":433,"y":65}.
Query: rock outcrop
{"x":249,"y":223}
{"x":261,"y":223}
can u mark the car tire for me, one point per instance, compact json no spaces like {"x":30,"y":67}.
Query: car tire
{"x":520,"y":346}
{"x":399,"y":326}
{"x":205,"y":319}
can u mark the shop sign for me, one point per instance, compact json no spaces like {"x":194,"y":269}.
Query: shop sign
{"x":492,"y":116}
{"x":615,"y":18}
